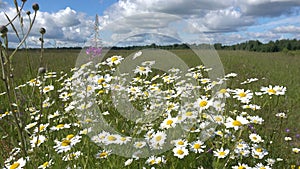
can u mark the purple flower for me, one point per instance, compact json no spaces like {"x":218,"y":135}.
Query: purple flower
{"x":287,"y":130}
{"x":94,"y":52}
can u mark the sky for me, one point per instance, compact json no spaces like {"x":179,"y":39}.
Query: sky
{"x":139,"y":22}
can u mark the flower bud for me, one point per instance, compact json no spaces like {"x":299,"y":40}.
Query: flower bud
{"x":3,"y":29}
{"x":42,"y":30}
{"x":42,"y":70}
{"x":35,"y":7}
{"x":28,"y":12}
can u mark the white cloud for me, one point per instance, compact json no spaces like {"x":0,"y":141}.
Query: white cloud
{"x":288,"y":29}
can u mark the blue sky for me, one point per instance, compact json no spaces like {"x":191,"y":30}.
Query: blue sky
{"x":139,"y":22}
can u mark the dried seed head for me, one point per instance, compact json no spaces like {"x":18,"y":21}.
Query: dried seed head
{"x":42,"y":70}
{"x":24,"y":1}
{"x":35,"y":7}
{"x":28,"y":12}
{"x":42,"y":30}
{"x":3,"y":29}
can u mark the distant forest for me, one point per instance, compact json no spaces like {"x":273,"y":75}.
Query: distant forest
{"x":251,"y":45}
{"x":283,"y":45}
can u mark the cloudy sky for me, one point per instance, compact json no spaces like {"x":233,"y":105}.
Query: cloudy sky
{"x":139,"y":22}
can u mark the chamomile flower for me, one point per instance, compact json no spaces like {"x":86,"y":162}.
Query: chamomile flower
{"x":258,"y":152}
{"x":139,"y":144}
{"x":46,"y":164}
{"x":223,"y":93}
{"x":19,"y":164}
{"x":255,"y":138}
{"x":197,"y":146}
{"x":281,"y":115}
{"x":47,"y":89}
{"x":203,"y":103}
{"x":37,"y":140}
{"x":237,"y":123}
{"x":114,"y":60}
{"x":180,"y":143}
{"x":158,"y":139}
{"x":60,"y":127}
{"x":241,"y":166}
{"x":169,"y":122}
{"x":41,"y":128}
{"x":180,"y":152}
{"x":296,"y":150}
{"x":242,"y":95}
{"x":34,"y":82}
{"x":72,"y":156}
{"x":67,"y":143}
{"x":261,"y":166}
{"x":103,"y":154}
{"x":30,"y":125}
{"x":142,"y":70}
{"x":221,"y":153}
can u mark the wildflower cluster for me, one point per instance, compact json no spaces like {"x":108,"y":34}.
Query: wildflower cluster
{"x":154,"y":117}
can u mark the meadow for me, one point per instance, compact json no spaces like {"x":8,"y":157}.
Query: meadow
{"x":279,"y":132}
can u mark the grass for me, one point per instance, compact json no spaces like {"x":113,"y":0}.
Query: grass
{"x":270,"y":68}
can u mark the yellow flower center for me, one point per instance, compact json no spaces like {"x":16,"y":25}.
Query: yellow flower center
{"x":241,"y":167}
{"x":180,"y":142}
{"x":101,"y":80}
{"x":242,"y":94}
{"x":65,"y":143}
{"x":222,"y":153}
{"x":272,"y":91}
{"x":60,"y":126}
{"x":142,"y":69}
{"x":223,"y":91}
{"x":180,"y":152}
{"x":169,"y":122}
{"x":259,"y":150}
{"x":152,"y":162}
{"x":42,"y":127}
{"x":203,"y":103}
{"x":70,"y":136}
{"x":111,"y":138}
{"x":46,"y":164}
{"x":103,"y":154}
{"x":113,"y":59}
{"x":189,"y":113}
{"x":158,"y":138}
{"x":14,"y":165}
{"x":236,"y":123}
{"x":262,"y":167}
{"x":197,"y":146}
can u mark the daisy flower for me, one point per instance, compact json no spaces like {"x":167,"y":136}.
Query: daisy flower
{"x":258,"y":152}
{"x":158,"y":139}
{"x":221,"y":153}
{"x":296,"y":150}
{"x":261,"y":166}
{"x":47,"y":89}
{"x":139,"y":144}
{"x":19,"y":164}
{"x":142,"y":70}
{"x":255,"y":138}
{"x":241,"y":166}
{"x":169,"y":122}
{"x":180,"y":143}
{"x":203,"y":103}
{"x":242,"y":95}
{"x":46,"y":164}
{"x":34,"y":82}
{"x":67,"y":143}
{"x":37,"y":140}
{"x":180,"y":152}
{"x":114,"y":60}
{"x":197,"y":146}
{"x":237,"y":123}
{"x":103,"y":154}
{"x":72,"y":156}
{"x":281,"y":115}
{"x":60,"y":127}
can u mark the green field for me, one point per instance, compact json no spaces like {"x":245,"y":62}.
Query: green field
{"x":281,"y":69}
